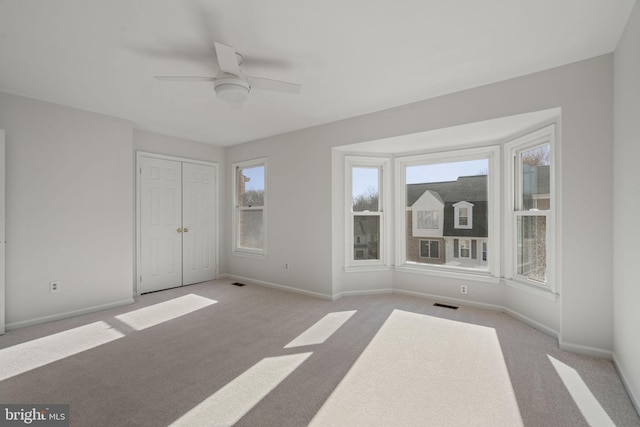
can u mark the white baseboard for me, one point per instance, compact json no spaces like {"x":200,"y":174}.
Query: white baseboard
{"x":275,"y":286}
{"x":584,"y":349}
{"x":359,"y":293}
{"x":533,"y":323}
{"x":624,"y":377}
{"x":67,"y":314}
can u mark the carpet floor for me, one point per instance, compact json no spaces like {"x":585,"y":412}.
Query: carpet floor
{"x":218,"y":354}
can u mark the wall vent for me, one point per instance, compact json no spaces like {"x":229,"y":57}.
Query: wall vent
{"x":238,"y":284}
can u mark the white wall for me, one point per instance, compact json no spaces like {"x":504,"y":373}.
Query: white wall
{"x":303,"y":229}
{"x":69,"y":207}
{"x":626,"y":251}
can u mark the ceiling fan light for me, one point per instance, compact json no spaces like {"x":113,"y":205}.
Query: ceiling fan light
{"x":232,"y":92}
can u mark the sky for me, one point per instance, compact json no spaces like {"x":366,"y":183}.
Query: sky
{"x":363,"y":178}
{"x":257,"y":178}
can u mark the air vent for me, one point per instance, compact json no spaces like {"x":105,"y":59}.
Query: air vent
{"x":452,"y":307}
{"x":237,"y":284}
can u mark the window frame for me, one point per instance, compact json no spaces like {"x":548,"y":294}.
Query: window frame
{"x":492,"y":272}
{"x":384,"y":186}
{"x":514,"y":211}
{"x":237,"y":249}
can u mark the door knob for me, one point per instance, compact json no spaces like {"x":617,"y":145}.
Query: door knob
{"x":186,"y":230}
{"x":179,"y":230}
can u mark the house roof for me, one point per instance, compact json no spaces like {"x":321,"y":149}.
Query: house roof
{"x":466,"y":188}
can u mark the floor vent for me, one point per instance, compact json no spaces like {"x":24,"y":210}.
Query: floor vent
{"x":452,"y":307}
{"x":237,"y":284}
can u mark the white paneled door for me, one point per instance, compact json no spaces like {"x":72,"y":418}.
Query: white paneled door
{"x":177,"y":224}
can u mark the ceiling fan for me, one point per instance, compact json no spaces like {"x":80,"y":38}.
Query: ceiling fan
{"x":231,"y":84}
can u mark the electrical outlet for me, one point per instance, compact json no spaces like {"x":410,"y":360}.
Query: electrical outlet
{"x":54,"y":286}
{"x":286,"y":266}
{"x":463,"y":289}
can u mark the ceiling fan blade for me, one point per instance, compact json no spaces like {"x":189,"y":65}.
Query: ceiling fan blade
{"x":185,"y":78}
{"x":274,"y":85}
{"x":227,"y":59}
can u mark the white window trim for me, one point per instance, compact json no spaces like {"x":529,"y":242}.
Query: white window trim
{"x":546,"y":135}
{"x":384,"y":191}
{"x":236,"y":249}
{"x":492,"y":154}
{"x":456,"y":215}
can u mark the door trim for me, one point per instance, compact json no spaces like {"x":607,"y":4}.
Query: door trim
{"x":138,"y":236}
{"x":3,"y":242}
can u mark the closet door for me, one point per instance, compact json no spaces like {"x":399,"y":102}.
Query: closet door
{"x":160,"y":224}
{"x":198,"y":223}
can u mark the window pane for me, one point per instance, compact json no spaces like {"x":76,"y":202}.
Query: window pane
{"x":432,"y":190}
{"x":366,"y":231}
{"x":464,"y":248}
{"x":251,"y":186}
{"x":435,"y":249}
{"x":250,"y":229}
{"x":424,"y":248}
{"x":532,"y":247}
{"x":535,"y":164}
{"x":365,"y":191}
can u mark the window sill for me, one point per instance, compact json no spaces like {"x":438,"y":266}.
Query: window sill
{"x":540,"y":291}
{"x":478,"y":276}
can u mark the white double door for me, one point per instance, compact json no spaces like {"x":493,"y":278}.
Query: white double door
{"x":177,"y":223}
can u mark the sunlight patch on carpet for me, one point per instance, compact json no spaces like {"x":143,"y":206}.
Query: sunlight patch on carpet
{"x":42,"y":351}
{"x":586,"y":401}
{"x":322,"y":329}
{"x":162,"y":312}
{"x":423,"y":370}
{"x":226,"y":406}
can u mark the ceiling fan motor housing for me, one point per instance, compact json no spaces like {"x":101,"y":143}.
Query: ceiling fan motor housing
{"x":232,"y":89}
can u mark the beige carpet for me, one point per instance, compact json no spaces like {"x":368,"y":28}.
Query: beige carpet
{"x":423,"y":370}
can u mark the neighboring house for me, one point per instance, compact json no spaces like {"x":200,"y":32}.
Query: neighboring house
{"x":447,"y":222}
{"x":366,"y":238}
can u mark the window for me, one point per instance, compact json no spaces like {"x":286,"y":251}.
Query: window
{"x":427,"y":220}
{"x":429,"y":249}
{"x":463,"y":214}
{"x":365,"y":199}
{"x":250,"y":207}
{"x":446,"y":208}
{"x":531,"y":177}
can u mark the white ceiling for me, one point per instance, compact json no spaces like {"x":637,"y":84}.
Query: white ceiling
{"x":351,"y":57}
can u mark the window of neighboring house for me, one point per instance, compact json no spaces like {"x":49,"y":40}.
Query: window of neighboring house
{"x":462,"y":248}
{"x":463,"y":215}
{"x":530,"y":160}
{"x":366,"y":222}
{"x":458,"y":183}
{"x":429,"y":249}
{"x":427,"y":220}
{"x":250,"y":207}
